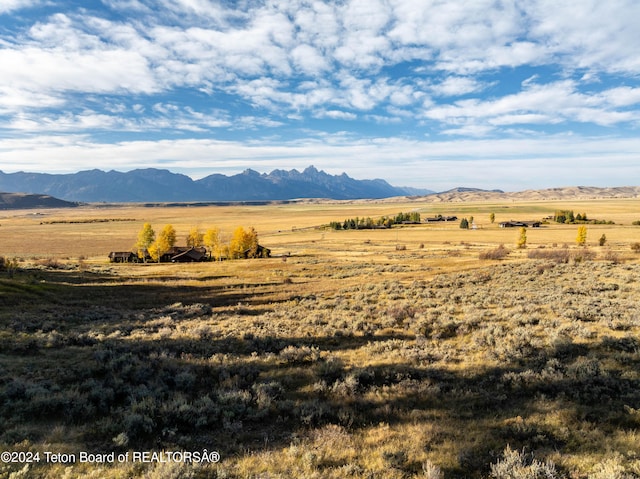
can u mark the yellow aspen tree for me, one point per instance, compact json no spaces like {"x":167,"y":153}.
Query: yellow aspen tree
{"x":211,"y":241}
{"x":236,"y":245}
{"x":169,"y":235}
{"x":146,"y":237}
{"x":522,"y":239}
{"x":581,"y":239}
{"x":195,"y":238}
{"x":243,"y":243}
{"x":163,"y":243}
{"x":251,"y":242}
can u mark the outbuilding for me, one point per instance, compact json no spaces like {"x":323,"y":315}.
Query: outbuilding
{"x":123,"y":257}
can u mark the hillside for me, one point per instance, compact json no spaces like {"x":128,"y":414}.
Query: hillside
{"x":551,"y":194}
{"x":11,"y":201}
{"x":163,"y":186}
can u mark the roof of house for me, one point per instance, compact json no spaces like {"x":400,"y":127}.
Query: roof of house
{"x":191,"y":254}
{"x":120,"y":254}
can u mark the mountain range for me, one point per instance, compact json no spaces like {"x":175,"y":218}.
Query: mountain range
{"x":157,"y":185}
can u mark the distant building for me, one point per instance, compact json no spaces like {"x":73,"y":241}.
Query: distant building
{"x":184,"y":254}
{"x":261,"y":252}
{"x":189,"y":255}
{"x":435,"y":219}
{"x":520,"y":224}
{"x":123,"y":257}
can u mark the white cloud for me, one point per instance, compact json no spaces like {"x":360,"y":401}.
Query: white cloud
{"x":15,"y":99}
{"x":588,"y":34}
{"x":7,"y":6}
{"x":58,"y":56}
{"x":308,"y":60}
{"x":540,"y":104}
{"x":456,"y":86}
{"x":437,"y":165}
{"x":275,"y":64}
{"x":337,"y":115}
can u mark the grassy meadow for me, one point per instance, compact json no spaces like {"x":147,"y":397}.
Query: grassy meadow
{"x":395,"y":353}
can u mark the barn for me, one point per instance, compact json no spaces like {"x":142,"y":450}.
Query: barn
{"x":123,"y":257}
{"x":190,"y":255}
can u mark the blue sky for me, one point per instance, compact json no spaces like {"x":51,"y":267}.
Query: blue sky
{"x":425,"y":93}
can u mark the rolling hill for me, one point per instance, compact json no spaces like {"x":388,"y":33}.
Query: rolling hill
{"x":20,"y":201}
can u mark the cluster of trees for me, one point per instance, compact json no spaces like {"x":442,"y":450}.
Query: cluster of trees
{"x":369,"y":223}
{"x":569,"y":217}
{"x":243,"y":242}
{"x":465,"y":223}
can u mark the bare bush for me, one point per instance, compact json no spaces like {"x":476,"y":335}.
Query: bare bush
{"x":518,"y":465}
{"x":299,"y":354}
{"x":555,"y":255}
{"x":431,"y":471}
{"x":497,"y":253}
{"x":50,"y":263}
{"x":612,"y":256}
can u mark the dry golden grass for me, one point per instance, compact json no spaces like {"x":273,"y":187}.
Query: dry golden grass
{"x":289,"y":227}
{"x":341,"y":356}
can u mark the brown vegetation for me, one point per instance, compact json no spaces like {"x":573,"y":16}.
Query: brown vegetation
{"x":343,"y":357}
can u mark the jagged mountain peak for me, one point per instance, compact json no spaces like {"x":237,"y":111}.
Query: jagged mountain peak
{"x":160,"y":185}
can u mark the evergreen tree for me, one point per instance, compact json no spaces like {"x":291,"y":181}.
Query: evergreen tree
{"x":464,"y":224}
{"x":602,"y":240}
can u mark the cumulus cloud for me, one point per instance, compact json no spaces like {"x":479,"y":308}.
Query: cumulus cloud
{"x":402,"y":161}
{"x":440,"y":69}
{"x":457,"y":86}
{"x":11,"y":5}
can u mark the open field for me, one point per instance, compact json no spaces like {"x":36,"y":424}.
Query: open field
{"x":370,"y":353}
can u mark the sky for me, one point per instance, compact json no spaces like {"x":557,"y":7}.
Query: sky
{"x":425,"y":93}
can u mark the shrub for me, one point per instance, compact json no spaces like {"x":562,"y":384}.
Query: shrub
{"x":555,"y":255}
{"x":299,"y":354}
{"x":50,"y":263}
{"x":497,"y":253}
{"x":612,"y":256}
{"x":431,"y":471}
{"x":635,"y":247}
{"x":610,"y":469}
{"x":602,"y":240}
{"x":583,"y":255}
{"x":517,"y":465}
{"x":8,"y":265}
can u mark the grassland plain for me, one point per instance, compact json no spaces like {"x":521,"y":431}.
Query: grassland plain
{"x":387,"y":353}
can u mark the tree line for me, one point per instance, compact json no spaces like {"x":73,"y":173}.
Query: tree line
{"x":363,"y":223}
{"x":569,"y":217}
{"x":242,"y":243}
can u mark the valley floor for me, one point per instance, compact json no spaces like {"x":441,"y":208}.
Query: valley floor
{"x":344,"y":356}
